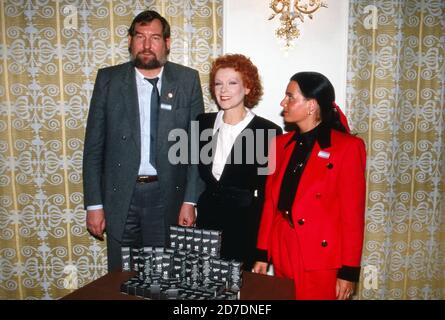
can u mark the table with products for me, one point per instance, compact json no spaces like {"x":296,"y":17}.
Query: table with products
{"x":255,"y":287}
{"x":189,"y":268}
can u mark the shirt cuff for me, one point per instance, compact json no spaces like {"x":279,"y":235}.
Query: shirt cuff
{"x":95,"y":207}
{"x":192,"y":203}
{"x":348,"y":273}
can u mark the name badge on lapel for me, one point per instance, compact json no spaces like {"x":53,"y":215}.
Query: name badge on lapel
{"x":166,"y":106}
{"x":324,"y":154}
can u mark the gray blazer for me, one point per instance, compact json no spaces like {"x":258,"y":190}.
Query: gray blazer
{"x":113,"y":142}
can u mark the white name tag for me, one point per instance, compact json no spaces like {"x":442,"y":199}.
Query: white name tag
{"x":166,"y":106}
{"x":324,"y":154}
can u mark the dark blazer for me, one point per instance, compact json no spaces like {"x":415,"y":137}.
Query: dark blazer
{"x":113,"y":142}
{"x":234,"y":203}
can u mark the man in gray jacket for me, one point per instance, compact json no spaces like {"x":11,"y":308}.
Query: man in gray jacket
{"x":132,"y":191}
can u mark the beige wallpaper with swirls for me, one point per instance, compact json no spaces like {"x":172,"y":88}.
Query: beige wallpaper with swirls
{"x":395,"y":100}
{"x":50,"y":52}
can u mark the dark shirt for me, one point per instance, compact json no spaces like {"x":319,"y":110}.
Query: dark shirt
{"x":304,"y":143}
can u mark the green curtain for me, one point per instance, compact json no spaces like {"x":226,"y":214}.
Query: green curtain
{"x":395,"y":102}
{"x":50,"y":52}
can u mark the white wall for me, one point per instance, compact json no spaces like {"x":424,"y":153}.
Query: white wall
{"x":322,"y":47}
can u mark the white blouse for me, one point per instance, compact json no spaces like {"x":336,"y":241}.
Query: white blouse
{"x":226,"y":138}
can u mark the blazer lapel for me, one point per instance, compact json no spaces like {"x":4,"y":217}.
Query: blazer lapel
{"x":130,"y":95}
{"x":168,"y":99}
{"x":212,"y":141}
{"x":169,"y":85}
{"x":315,"y":170}
{"x":282,"y":165}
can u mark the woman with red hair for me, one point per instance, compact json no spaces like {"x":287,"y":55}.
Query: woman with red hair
{"x":235,"y":169}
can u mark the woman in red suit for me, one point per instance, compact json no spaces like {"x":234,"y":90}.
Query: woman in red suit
{"x":313,"y":217}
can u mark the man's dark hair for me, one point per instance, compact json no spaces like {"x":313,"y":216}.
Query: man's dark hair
{"x":146,"y":17}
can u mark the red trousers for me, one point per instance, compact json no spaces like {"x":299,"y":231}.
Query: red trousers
{"x":288,"y":263}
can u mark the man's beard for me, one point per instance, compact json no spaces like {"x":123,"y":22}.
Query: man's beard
{"x":154,"y":63}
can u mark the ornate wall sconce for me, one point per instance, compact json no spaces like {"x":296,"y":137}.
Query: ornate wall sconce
{"x":290,"y":10}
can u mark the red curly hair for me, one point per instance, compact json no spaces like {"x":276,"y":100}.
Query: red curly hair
{"x":249,"y":75}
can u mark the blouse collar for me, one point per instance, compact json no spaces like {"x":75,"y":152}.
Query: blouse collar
{"x":219,"y":122}
{"x":320,"y":134}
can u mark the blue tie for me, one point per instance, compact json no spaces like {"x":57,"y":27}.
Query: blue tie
{"x":154,"y":107}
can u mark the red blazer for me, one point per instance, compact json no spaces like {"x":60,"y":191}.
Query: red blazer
{"x":330,"y":199}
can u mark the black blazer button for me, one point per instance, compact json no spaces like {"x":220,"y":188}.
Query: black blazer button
{"x":329,"y":165}
{"x":301,"y":222}
{"x":114,"y":189}
{"x":124,"y":137}
{"x":119,"y":165}
{"x":324,"y":243}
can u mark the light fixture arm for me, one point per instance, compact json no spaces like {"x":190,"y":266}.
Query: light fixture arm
{"x":289,"y":11}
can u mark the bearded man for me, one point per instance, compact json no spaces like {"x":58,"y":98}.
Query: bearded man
{"x":132,"y":191}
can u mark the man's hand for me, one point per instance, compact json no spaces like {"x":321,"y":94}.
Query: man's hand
{"x":260,"y":267}
{"x":96,"y":223}
{"x":344,"y":289}
{"x":187,"y":216}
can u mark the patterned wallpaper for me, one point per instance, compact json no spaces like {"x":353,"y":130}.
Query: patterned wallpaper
{"x":50,"y":52}
{"x":395,"y":100}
